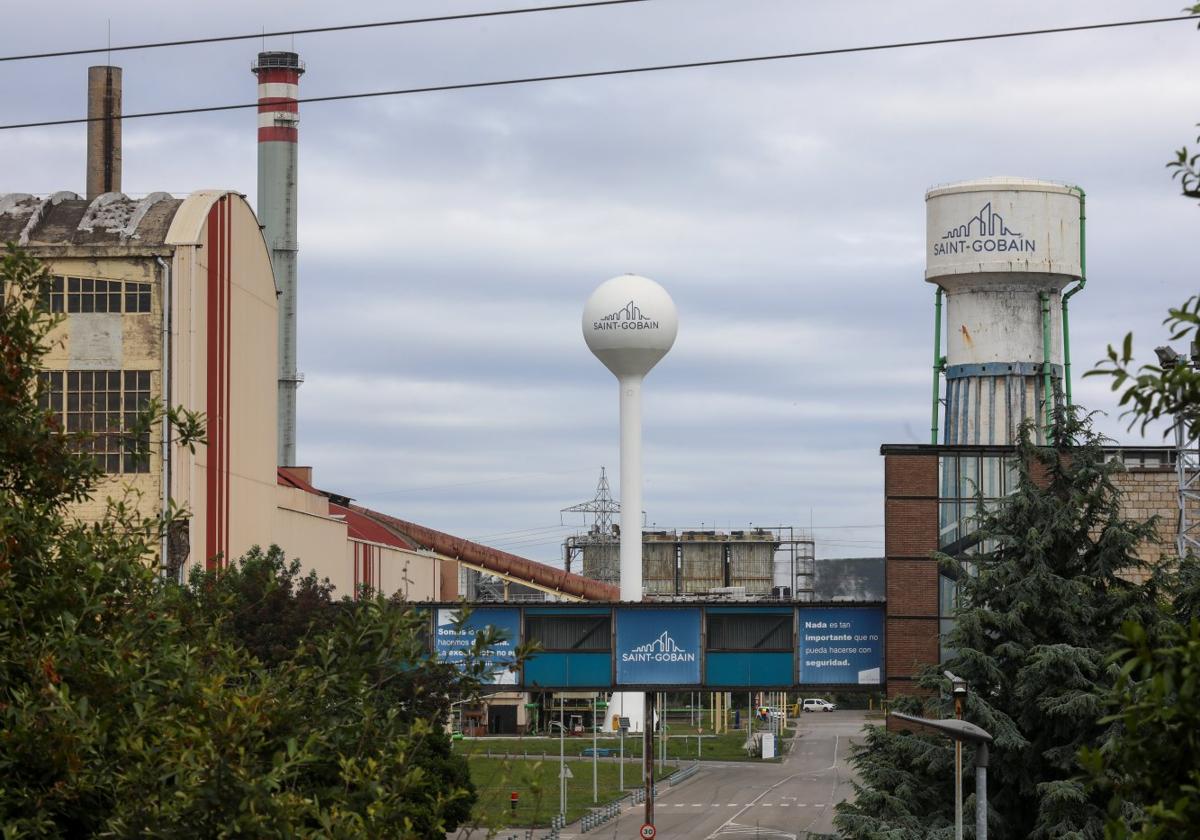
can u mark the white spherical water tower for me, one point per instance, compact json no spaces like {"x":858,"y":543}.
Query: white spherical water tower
{"x":630,"y":323}
{"x":1002,"y":250}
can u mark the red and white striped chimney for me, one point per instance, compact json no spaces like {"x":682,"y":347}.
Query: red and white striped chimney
{"x":278,"y":120}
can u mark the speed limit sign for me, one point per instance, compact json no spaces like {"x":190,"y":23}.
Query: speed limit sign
{"x":648,"y":832}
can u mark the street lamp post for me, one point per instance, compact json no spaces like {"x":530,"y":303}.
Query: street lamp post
{"x":562,"y":755}
{"x":961,"y":730}
{"x":958,"y":687}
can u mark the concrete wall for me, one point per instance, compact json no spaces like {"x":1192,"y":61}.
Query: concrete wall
{"x":223,"y":364}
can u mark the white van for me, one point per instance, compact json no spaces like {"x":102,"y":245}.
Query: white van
{"x":816,"y":705}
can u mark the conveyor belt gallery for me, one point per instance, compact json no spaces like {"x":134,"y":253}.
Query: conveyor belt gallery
{"x":660,"y":646}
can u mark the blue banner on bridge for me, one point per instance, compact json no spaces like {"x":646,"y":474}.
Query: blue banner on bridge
{"x":452,"y":640}
{"x":658,"y":646}
{"x":841,"y":646}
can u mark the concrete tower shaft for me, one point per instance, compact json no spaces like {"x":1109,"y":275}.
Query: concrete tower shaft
{"x":278,"y":120}
{"x":103,"y":130}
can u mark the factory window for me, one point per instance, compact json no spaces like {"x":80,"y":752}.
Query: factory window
{"x":101,"y":404}
{"x":570,"y":632}
{"x":947,"y":607}
{"x":86,"y":294}
{"x":749,"y":632}
{"x":970,"y":486}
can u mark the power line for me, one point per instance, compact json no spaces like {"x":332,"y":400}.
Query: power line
{"x":518,"y":477}
{"x":151,"y":45}
{"x":621,"y":72}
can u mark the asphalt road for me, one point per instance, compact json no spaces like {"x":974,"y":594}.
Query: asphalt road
{"x":785,"y":801}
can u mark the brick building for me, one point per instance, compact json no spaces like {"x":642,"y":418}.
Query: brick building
{"x":930,"y":497}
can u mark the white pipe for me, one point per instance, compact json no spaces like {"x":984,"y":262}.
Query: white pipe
{"x":631,"y":487}
{"x":165,"y":367}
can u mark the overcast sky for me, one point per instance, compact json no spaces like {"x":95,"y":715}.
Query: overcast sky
{"x":448,"y":241}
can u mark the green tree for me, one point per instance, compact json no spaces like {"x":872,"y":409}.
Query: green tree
{"x":1150,"y":767}
{"x":130,"y":708}
{"x":1040,"y":606}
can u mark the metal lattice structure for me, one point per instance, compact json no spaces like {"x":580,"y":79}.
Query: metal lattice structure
{"x":599,"y":548}
{"x":1187,"y":466}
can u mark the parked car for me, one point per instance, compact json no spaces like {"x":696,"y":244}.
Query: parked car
{"x":817,"y":705}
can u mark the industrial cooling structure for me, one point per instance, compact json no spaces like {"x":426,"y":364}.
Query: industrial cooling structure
{"x":1002,"y":252}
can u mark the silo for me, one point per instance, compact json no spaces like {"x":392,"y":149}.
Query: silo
{"x":1001,"y":250}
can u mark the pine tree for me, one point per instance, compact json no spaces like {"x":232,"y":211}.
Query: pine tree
{"x":1040,"y":610}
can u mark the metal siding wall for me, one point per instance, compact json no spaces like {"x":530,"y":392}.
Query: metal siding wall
{"x":750,"y":670}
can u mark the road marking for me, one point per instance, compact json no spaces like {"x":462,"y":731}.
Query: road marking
{"x":729,"y":822}
{"x":768,"y":804}
{"x":697,"y":805}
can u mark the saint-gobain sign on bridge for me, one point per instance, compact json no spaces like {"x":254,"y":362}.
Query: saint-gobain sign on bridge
{"x":658,"y":647}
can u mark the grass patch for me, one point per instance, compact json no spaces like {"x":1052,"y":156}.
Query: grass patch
{"x":537,"y":784}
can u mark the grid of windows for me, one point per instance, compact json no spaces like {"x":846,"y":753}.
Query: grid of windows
{"x":100,"y":404}
{"x":970,"y":485}
{"x":86,"y":294}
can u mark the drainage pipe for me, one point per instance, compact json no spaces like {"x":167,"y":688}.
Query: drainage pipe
{"x":1066,"y":321}
{"x":937,"y":363}
{"x":1047,"y":390}
{"x":164,"y":299}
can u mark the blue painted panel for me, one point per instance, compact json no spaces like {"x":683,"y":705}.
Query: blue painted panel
{"x":658,"y":646}
{"x":751,"y":670}
{"x":452,"y":639}
{"x":841,"y":646}
{"x":566,"y":670}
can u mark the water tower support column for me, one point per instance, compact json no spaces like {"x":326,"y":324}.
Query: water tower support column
{"x":631,"y":487}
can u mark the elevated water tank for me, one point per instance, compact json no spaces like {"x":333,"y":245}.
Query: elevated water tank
{"x":1003,"y":249}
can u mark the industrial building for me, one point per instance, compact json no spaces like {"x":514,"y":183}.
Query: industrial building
{"x":193,"y":300}
{"x":1002,"y":252}
{"x":758,"y":562}
{"x":183,"y":299}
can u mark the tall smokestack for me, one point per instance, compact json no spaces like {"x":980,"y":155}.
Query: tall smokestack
{"x":104,"y":131}
{"x":278,"y":117}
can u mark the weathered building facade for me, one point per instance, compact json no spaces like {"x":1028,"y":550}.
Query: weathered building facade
{"x":930,"y":501}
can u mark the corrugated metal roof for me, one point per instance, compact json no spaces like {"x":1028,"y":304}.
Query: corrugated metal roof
{"x":366,"y":524}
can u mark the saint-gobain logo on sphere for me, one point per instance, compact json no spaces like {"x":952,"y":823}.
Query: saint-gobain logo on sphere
{"x":662,"y":649}
{"x":983,"y":233}
{"x":628,"y":317}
